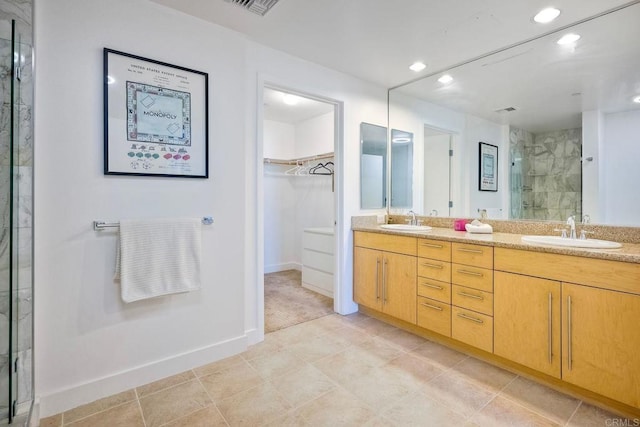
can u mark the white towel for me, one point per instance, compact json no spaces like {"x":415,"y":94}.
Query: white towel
{"x":478,"y":227}
{"x":158,"y":257}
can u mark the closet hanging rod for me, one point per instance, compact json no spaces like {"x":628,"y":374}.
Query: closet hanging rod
{"x":299,"y":160}
{"x":101,"y":225}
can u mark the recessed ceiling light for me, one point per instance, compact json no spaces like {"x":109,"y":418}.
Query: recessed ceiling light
{"x":417,"y":66}
{"x":636,"y":99}
{"x":569,"y":38}
{"x":289,"y":99}
{"x":445,"y":79}
{"x":546,"y":15}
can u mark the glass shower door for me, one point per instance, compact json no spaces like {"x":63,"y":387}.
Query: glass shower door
{"x":16,"y":166}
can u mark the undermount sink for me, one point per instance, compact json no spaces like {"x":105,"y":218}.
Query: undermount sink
{"x":574,"y":243}
{"x":406,"y":227}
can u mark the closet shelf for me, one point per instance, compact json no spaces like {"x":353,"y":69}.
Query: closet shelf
{"x":299,"y":160}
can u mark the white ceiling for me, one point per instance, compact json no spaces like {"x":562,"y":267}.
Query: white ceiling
{"x":376,"y":40}
{"x":275,"y":108}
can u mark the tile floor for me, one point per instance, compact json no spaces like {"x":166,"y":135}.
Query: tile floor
{"x":340,"y":371}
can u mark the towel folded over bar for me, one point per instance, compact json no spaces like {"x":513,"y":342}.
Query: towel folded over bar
{"x":158,"y":257}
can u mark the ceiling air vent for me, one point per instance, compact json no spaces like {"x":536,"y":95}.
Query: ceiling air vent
{"x":259,"y":7}
{"x":505,"y":110}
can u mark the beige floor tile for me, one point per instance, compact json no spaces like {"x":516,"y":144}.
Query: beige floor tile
{"x":545,"y":401}
{"x":503,"y":412}
{"x":173,"y":403}
{"x":290,"y":419}
{"x":98,"y":406}
{"x":380,"y":421}
{"x":125,"y":415}
{"x":277,"y":364}
{"x":484,"y":374}
{"x":439,"y":354}
{"x":330,"y":322}
{"x":296,"y":333}
{"x":232,"y":380}
{"x":419,"y":369}
{"x":336,"y":408}
{"x":218,"y":366}
{"x":165,"y":383}
{"x":207,"y":417}
{"x":376,"y":352}
{"x":269,"y":346}
{"x":374,"y":326}
{"x":403,"y":339}
{"x":344,"y":366}
{"x":255,"y":406}
{"x":52,"y":421}
{"x":317,"y":348}
{"x":348,"y":335}
{"x":592,"y":416}
{"x":381,"y":388}
{"x":418,"y":410}
{"x":355,"y":317}
{"x":301,"y":386}
{"x":458,"y":393}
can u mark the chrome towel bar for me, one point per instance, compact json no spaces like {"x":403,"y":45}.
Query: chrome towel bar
{"x":101,"y":225}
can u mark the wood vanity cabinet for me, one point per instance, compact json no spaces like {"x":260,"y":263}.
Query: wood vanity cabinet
{"x":600,"y":304}
{"x":601,"y":341}
{"x":472,"y":295}
{"x":527,"y":321}
{"x":434,"y":286}
{"x":384,"y":274}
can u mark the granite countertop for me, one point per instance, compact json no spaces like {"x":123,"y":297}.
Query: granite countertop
{"x":629,"y":252}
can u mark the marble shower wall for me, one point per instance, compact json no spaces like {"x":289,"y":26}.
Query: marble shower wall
{"x":547,"y":180}
{"x":22,"y":296}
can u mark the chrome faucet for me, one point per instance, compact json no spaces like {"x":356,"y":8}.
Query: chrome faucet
{"x":571,"y":222}
{"x":414,"y":221}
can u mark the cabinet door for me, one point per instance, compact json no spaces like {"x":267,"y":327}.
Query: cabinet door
{"x":399,"y":280}
{"x":527,"y":321}
{"x":367,"y":268}
{"x":601,"y":338}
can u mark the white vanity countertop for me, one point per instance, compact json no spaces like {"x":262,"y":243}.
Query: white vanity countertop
{"x":629,"y":252}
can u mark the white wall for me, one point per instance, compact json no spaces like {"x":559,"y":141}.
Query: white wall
{"x":621,"y":172}
{"x":88,"y":344}
{"x":315,"y":135}
{"x":279,"y":140}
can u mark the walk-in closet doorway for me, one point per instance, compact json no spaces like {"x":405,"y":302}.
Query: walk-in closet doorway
{"x":299,"y":200}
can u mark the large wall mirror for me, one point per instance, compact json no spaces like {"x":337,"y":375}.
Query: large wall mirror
{"x":565,"y":119}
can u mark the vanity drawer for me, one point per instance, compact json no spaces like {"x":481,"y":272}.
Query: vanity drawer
{"x":440,"y":291}
{"x":472,"y":328}
{"x":472,"y":299}
{"x":434,"y":249}
{"x":472,"y":277}
{"x":435,"y":316}
{"x":385,"y":242}
{"x":434,"y":269}
{"x":475,"y":255}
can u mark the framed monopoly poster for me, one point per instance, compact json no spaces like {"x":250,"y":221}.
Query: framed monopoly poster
{"x":155,"y":118}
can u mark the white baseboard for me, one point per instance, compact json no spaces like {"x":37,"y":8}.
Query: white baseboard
{"x":254,"y":337}
{"x":317,"y":289}
{"x":72,"y":397}
{"x":274,"y":268}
